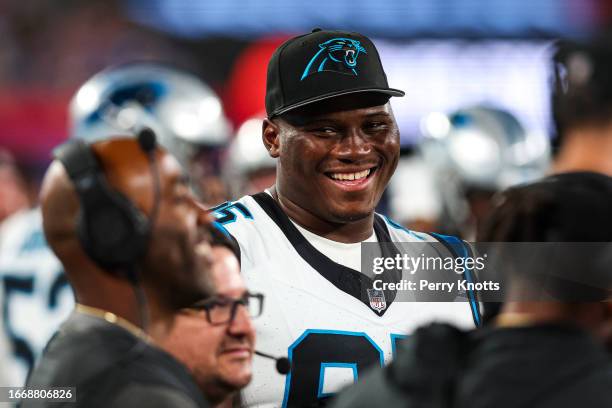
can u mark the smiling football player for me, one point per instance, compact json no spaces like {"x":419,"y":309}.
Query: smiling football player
{"x":332,"y":129}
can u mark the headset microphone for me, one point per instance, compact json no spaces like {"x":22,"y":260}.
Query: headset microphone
{"x":146,"y":139}
{"x":148,"y":142}
{"x":283,"y":365}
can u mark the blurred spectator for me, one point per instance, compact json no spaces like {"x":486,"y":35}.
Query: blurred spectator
{"x":471,"y":154}
{"x":37,"y":296}
{"x":537,"y":353}
{"x":582,"y":105}
{"x":130,"y":285}
{"x":5,"y":351}
{"x":13,"y":187}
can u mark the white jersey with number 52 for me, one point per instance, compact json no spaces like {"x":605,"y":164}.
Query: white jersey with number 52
{"x":37,"y":296}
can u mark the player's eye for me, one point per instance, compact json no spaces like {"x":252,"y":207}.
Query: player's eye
{"x":325,"y":131}
{"x":376,"y":126}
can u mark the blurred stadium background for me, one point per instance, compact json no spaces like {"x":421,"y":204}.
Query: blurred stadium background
{"x":446,"y":55}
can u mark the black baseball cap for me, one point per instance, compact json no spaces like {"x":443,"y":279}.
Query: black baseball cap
{"x":322,"y":65}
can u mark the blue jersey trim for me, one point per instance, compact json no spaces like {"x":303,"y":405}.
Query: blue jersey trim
{"x":460,"y":250}
{"x":320,"y":331}
{"x":401,"y":227}
{"x":221,"y":228}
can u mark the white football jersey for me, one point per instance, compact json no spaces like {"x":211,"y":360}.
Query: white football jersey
{"x":317,"y":312}
{"x":37,"y":296}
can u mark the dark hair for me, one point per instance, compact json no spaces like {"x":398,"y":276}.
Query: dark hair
{"x":220,"y":238}
{"x":582,"y":84}
{"x":571,"y":207}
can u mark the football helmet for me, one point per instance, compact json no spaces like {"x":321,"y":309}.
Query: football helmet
{"x":249,"y":166}
{"x":185,"y":113}
{"x":479,"y":150}
{"x":485,"y":147}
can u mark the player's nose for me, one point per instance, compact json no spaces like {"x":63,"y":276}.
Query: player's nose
{"x":353,"y":146}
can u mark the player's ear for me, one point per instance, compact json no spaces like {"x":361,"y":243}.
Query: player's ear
{"x":271,"y":137}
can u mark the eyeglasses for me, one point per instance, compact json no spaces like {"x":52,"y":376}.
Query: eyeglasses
{"x":222,"y":310}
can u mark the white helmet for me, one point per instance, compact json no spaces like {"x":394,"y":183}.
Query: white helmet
{"x":485,"y":147}
{"x":247,"y":155}
{"x":185,"y":114}
{"x":480,"y":148}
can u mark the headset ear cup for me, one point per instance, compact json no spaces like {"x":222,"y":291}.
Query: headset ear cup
{"x":135,"y":230}
{"x":114,"y":233}
{"x":135,"y":234}
{"x":84,"y":237}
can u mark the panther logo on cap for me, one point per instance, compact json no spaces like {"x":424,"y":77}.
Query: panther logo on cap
{"x":338,"y":55}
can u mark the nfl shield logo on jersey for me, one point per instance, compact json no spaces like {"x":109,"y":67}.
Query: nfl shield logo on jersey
{"x":377,"y":300}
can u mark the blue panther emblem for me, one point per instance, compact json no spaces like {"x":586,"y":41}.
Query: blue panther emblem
{"x":338,"y":55}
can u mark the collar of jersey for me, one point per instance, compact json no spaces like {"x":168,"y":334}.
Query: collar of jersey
{"x":348,"y":280}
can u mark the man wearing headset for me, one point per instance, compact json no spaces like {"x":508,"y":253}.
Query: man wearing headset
{"x":135,"y":247}
{"x":37,"y":296}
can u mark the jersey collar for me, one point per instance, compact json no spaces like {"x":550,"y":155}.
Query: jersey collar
{"x":344,"y":278}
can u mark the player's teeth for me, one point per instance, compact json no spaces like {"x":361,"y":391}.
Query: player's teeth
{"x":350,"y":176}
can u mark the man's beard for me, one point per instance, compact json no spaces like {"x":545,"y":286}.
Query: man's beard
{"x":220,"y":388}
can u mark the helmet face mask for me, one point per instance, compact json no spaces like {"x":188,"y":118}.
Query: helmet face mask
{"x":185,"y":114}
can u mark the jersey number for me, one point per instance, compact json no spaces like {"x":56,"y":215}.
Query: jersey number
{"x":226,"y":212}
{"x":317,"y":350}
{"x":25,"y":285}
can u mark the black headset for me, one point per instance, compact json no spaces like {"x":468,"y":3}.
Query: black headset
{"x":114,"y":233}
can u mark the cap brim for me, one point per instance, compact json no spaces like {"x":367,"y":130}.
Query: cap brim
{"x":319,"y":98}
